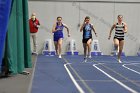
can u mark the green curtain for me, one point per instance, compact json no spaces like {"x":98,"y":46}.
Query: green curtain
{"x":26,"y":35}
{"x":17,"y":48}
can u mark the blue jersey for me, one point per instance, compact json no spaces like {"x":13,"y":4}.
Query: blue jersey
{"x":59,"y":33}
{"x":87,"y":31}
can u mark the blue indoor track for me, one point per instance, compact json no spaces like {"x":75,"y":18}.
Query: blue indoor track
{"x":100,"y":74}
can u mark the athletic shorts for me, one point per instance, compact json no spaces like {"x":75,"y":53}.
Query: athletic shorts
{"x":86,"y":40}
{"x":120,"y":39}
{"x":56,"y":38}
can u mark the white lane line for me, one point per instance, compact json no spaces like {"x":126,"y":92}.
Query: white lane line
{"x":127,"y":61}
{"x":117,"y":81}
{"x":73,"y":79}
{"x":124,"y":65}
{"x":106,"y":80}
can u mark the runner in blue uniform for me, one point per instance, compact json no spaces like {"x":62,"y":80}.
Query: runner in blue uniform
{"x":58,"y":35}
{"x":87,"y":28}
{"x":120,"y":29}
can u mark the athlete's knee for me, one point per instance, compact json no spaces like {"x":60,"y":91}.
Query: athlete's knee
{"x":59,"y":44}
{"x":116,"y":44}
{"x":88,"y":44}
{"x":120,"y":48}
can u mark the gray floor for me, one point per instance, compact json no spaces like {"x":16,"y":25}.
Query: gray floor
{"x":19,"y":83}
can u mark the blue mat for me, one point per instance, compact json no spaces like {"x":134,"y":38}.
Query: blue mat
{"x":52,"y":77}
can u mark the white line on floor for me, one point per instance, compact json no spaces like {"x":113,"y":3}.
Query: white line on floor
{"x":73,"y":79}
{"x":117,"y":81}
{"x":124,"y":65}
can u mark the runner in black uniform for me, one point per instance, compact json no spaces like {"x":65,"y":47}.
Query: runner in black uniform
{"x":87,"y":28}
{"x":120,"y":29}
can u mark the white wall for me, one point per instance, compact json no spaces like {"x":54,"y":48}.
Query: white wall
{"x":103,"y":15}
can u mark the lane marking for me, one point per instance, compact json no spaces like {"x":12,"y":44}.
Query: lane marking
{"x":132,"y":81}
{"x":105,"y":80}
{"x":117,"y":81}
{"x":126,"y":61}
{"x":73,"y":79}
{"x":77,"y":75}
{"x":124,"y":65}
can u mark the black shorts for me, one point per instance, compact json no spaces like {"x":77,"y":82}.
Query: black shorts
{"x":120,"y":39}
{"x":86,"y":40}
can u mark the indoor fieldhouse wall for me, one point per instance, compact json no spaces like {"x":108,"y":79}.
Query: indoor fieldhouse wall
{"x":102,"y":14}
